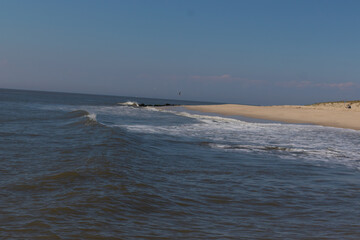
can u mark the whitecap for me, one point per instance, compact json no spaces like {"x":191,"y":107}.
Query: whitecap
{"x":129,"y":103}
{"x":91,"y":116}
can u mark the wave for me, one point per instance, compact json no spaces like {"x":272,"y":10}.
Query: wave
{"x":90,"y":120}
{"x":257,"y":148}
{"x":91,"y":117}
{"x":86,"y":117}
{"x":293,"y":141}
{"x":338,"y":156}
{"x":76,"y":114}
{"x":129,"y":103}
{"x":228,"y":134}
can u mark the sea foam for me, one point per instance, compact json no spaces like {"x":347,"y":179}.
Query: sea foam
{"x":129,"y":103}
{"x":292,"y":141}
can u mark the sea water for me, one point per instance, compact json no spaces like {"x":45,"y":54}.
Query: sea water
{"x":79,"y":166}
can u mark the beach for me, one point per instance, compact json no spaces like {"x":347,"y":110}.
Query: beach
{"x":334,"y":114}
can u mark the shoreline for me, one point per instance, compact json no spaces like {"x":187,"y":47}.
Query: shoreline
{"x":325,"y":114}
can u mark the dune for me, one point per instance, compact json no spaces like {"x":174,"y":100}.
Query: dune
{"x":332,"y":114}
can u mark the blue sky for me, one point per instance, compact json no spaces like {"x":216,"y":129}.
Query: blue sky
{"x":250,"y":52}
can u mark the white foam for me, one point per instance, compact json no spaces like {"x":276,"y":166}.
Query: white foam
{"x":308,"y":142}
{"x":129,"y":103}
{"x":91,"y":116}
{"x":291,"y":141}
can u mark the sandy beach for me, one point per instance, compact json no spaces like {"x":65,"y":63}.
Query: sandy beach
{"x":326,"y":114}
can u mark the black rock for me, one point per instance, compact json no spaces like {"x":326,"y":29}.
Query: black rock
{"x":157,"y":105}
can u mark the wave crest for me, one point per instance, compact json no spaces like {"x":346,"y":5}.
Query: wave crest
{"x":129,"y":103}
{"x":81,"y":117}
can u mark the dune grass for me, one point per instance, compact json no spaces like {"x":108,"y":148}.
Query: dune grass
{"x":336,"y":102}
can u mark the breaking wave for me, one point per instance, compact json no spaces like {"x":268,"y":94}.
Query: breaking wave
{"x":308,"y":142}
{"x":81,"y":117}
{"x":129,"y":103}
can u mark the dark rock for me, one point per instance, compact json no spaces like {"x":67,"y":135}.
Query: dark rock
{"x":157,"y":105}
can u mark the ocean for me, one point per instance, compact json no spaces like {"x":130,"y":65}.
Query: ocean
{"x":76,"y":166}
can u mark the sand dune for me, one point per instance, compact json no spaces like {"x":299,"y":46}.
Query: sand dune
{"x":335,"y":114}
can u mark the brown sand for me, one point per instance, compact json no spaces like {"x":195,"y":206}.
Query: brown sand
{"x":326,"y":114}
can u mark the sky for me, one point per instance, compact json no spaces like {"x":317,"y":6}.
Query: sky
{"x":249,"y":52}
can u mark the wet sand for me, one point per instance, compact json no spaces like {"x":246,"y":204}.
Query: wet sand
{"x":325,"y":114}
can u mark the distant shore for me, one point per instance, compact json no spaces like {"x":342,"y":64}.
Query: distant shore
{"x":332,"y":114}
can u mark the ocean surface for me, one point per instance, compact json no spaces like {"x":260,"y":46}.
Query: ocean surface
{"x":79,"y":166}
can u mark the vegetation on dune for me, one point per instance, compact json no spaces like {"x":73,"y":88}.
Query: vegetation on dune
{"x":335,"y":103}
